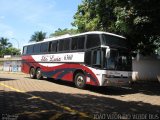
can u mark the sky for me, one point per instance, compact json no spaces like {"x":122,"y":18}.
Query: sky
{"x":19,"y":19}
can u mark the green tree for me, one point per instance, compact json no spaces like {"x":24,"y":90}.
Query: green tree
{"x":38,"y":36}
{"x":86,"y":18}
{"x":6,"y":48}
{"x":63,"y":31}
{"x":11,"y":51}
{"x":95,"y":15}
{"x":4,"y":43}
{"x":138,"y":21}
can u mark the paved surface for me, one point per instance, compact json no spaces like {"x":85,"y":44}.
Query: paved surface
{"x":24,"y":98}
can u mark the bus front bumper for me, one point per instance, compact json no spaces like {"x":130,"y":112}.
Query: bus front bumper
{"x":117,"y":82}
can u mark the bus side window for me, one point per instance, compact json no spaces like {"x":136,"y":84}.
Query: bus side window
{"x":81,"y":42}
{"x":64,"y":45}
{"x":25,"y":50}
{"x":74,"y":44}
{"x":36,"y":48}
{"x":93,"y":40}
{"x":30,"y":49}
{"x":78,"y":43}
{"x":44,"y":47}
{"x":60,"y":45}
{"x":53,"y":47}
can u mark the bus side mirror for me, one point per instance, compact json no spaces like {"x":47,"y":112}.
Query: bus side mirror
{"x":107,"y":53}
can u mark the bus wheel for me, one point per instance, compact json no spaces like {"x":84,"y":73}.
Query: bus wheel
{"x":80,"y":80}
{"x":32,"y":73}
{"x":39,"y":74}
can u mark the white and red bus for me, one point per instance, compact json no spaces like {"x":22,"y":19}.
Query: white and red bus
{"x":94,"y":58}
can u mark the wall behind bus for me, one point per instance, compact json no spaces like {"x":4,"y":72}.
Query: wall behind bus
{"x":146,"y":68}
{"x":12,"y":66}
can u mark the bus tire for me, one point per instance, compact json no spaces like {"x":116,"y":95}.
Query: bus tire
{"x":39,"y":74}
{"x":80,"y":80}
{"x":32,"y":73}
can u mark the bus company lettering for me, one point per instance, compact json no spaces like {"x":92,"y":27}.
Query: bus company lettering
{"x":50,"y":58}
{"x":68,"y":57}
{"x":53,"y":58}
{"x":44,"y":59}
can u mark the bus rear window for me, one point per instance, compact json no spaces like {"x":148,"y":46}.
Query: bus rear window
{"x":25,"y":50}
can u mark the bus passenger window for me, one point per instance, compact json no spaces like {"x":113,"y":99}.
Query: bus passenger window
{"x":30,"y":49}
{"x":53,"y":47}
{"x":60,"y":45}
{"x":64,"y":44}
{"x":93,"y":40}
{"x":78,"y":43}
{"x":81,"y":42}
{"x":44,"y":47}
{"x":74,"y":43}
{"x":36,"y":48}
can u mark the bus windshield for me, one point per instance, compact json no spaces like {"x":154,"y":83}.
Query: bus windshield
{"x":119,"y":59}
{"x":113,"y":41}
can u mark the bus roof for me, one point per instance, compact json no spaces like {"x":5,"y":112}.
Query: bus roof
{"x":69,"y":36}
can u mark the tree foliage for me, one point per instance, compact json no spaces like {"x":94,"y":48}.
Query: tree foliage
{"x":63,"y":31}
{"x":10,"y":51}
{"x":136,"y":20}
{"x":94,"y":15}
{"x":38,"y":36}
{"x":6,"y":48}
{"x":4,"y":43}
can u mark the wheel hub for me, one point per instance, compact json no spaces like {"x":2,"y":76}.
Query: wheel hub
{"x":80,"y":81}
{"x":38,"y":73}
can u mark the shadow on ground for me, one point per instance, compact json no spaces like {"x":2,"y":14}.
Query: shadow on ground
{"x":148,"y":88}
{"x":100,"y":90}
{"x":6,"y":79}
{"x":27,"y":107}
{"x":144,"y":87}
